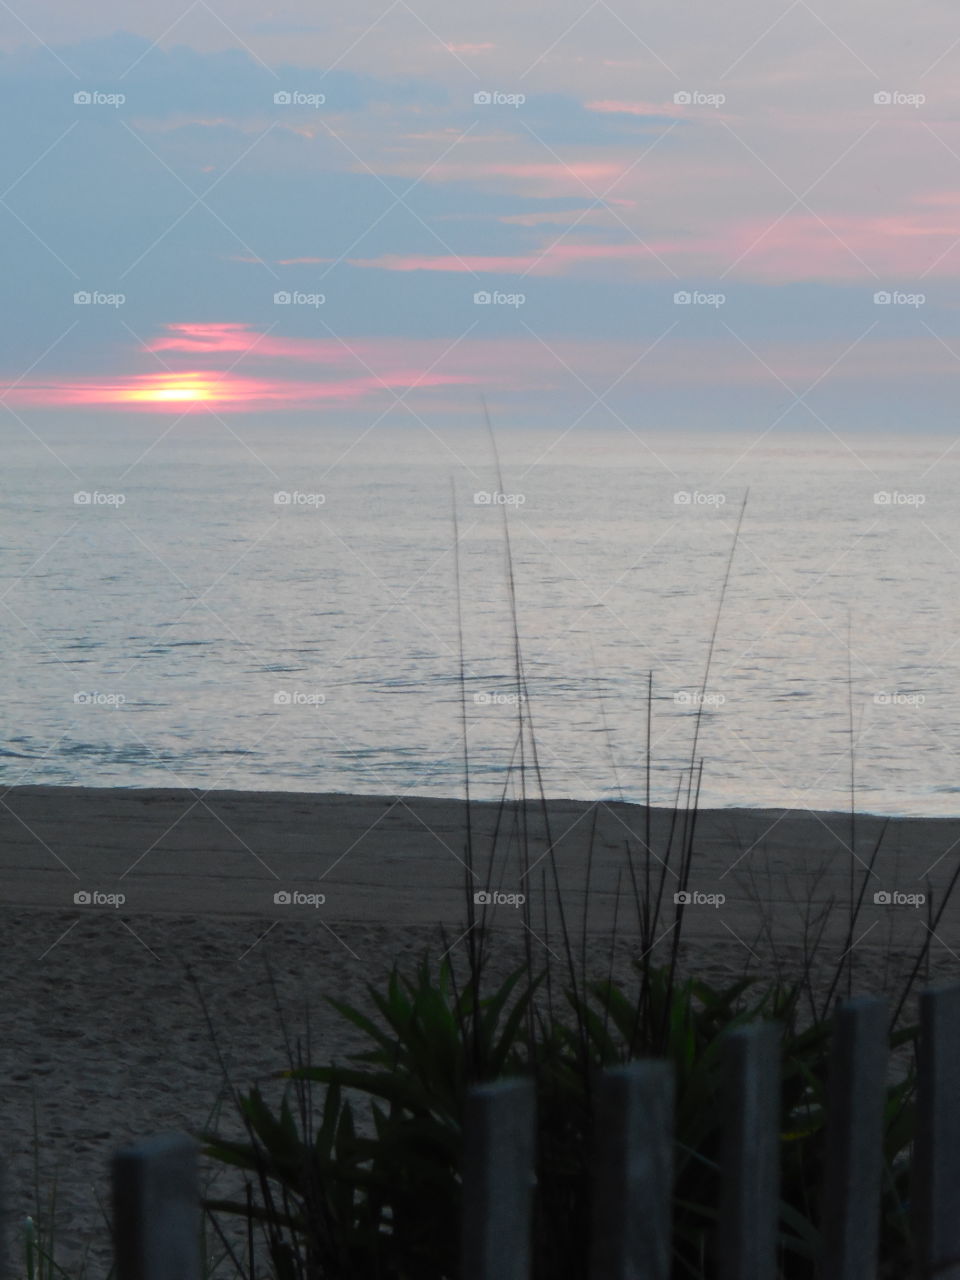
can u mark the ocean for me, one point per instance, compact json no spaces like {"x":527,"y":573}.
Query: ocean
{"x":235,"y":605}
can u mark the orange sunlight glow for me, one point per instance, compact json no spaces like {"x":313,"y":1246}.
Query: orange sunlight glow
{"x":202,"y":389}
{"x":174,"y":391}
{"x":185,"y":390}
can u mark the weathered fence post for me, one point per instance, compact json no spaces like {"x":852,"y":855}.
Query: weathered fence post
{"x":750,"y":1154}
{"x":4,"y":1241}
{"x":850,"y":1214}
{"x":633,"y":1173}
{"x":498,"y":1176}
{"x":935,"y":1176}
{"x":156,"y":1207}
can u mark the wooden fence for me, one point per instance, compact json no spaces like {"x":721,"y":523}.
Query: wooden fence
{"x":156,"y":1201}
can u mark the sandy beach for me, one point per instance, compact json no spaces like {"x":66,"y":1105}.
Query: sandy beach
{"x":109,"y":896}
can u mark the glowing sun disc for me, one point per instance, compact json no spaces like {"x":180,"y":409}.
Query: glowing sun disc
{"x":184,"y":392}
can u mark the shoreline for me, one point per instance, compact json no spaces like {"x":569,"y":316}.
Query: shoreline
{"x":55,"y":789}
{"x":402,"y":860}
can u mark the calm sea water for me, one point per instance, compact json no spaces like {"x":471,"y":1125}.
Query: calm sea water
{"x":199,"y":633}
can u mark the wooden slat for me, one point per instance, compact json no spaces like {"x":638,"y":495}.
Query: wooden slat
{"x":498,"y":1178}
{"x":750,"y":1155}
{"x":935,"y":1175}
{"x":633,"y":1174}
{"x":156,"y":1208}
{"x":5,"y":1253}
{"x":854,"y":1140}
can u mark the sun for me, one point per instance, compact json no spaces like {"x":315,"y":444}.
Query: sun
{"x":176,"y":391}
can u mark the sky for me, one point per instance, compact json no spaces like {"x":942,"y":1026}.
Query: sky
{"x":661,"y":216}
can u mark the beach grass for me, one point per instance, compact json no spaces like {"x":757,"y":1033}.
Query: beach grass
{"x":363,"y":1178}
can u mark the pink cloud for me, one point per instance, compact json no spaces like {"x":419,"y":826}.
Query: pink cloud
{"x":553,"y":260}
{"x":297,"y":373}
{"x":441,"y":262}
{"x":619,"y":107}
{"x":559,"y":217}
{"x":195,"y":390}
{"x":388,"y":356}
{"x":223,"y":337}
{"x":584,"y":169}
{"x":505,"y":366}
{"x":949,"y":198}
{"x":834,"y":246}
{"x":545,"y":177}
{"x":285,"y":373}
{"x":774,"y":248}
